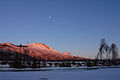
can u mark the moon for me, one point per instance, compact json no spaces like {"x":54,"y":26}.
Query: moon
{"x":49,"y":17}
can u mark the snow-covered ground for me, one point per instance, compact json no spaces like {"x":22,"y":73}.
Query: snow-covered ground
{"x":5,"y":69}
{"x":96,"y":74}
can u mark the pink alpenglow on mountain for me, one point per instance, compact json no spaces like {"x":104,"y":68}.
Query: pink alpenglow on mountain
{"x":36,"y":50}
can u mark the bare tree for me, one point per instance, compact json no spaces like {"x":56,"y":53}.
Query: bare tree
{"x":114,"y":51}
{"x":110,"y":52}
{"x":103,"y":50}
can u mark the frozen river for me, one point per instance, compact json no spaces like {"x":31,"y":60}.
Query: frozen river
{"x":98,"y":74}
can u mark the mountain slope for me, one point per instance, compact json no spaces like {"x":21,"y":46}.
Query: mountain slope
{"x":36,"y":50}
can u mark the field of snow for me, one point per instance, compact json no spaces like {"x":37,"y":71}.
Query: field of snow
{"x":96,"y":74}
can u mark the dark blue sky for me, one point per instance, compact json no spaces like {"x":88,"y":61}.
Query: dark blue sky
{"x":75,"y":26}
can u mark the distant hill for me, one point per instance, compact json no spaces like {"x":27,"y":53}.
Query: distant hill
{"x":31,"y":51}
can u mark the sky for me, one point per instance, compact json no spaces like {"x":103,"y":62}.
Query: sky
{"x":75,"y":26}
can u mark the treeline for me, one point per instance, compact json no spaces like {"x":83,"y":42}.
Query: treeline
{"x":38,"y":63}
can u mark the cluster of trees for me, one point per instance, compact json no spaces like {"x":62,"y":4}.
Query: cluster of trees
{"x":106,"y":51}
{"x":37,"y":64}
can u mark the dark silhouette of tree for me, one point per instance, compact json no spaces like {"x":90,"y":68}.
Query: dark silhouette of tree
{"x":104,"y":48}
{"x":110,"y":52}
{"x":34,"y":65}
{"x":114,"y":51}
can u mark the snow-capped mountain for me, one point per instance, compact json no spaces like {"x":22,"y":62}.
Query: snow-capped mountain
{"x":36,"y":50}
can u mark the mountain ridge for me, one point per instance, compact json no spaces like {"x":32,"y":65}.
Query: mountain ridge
{"x":37,"y":50}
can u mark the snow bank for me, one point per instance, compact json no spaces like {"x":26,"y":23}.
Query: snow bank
{"x":98,"y":74}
